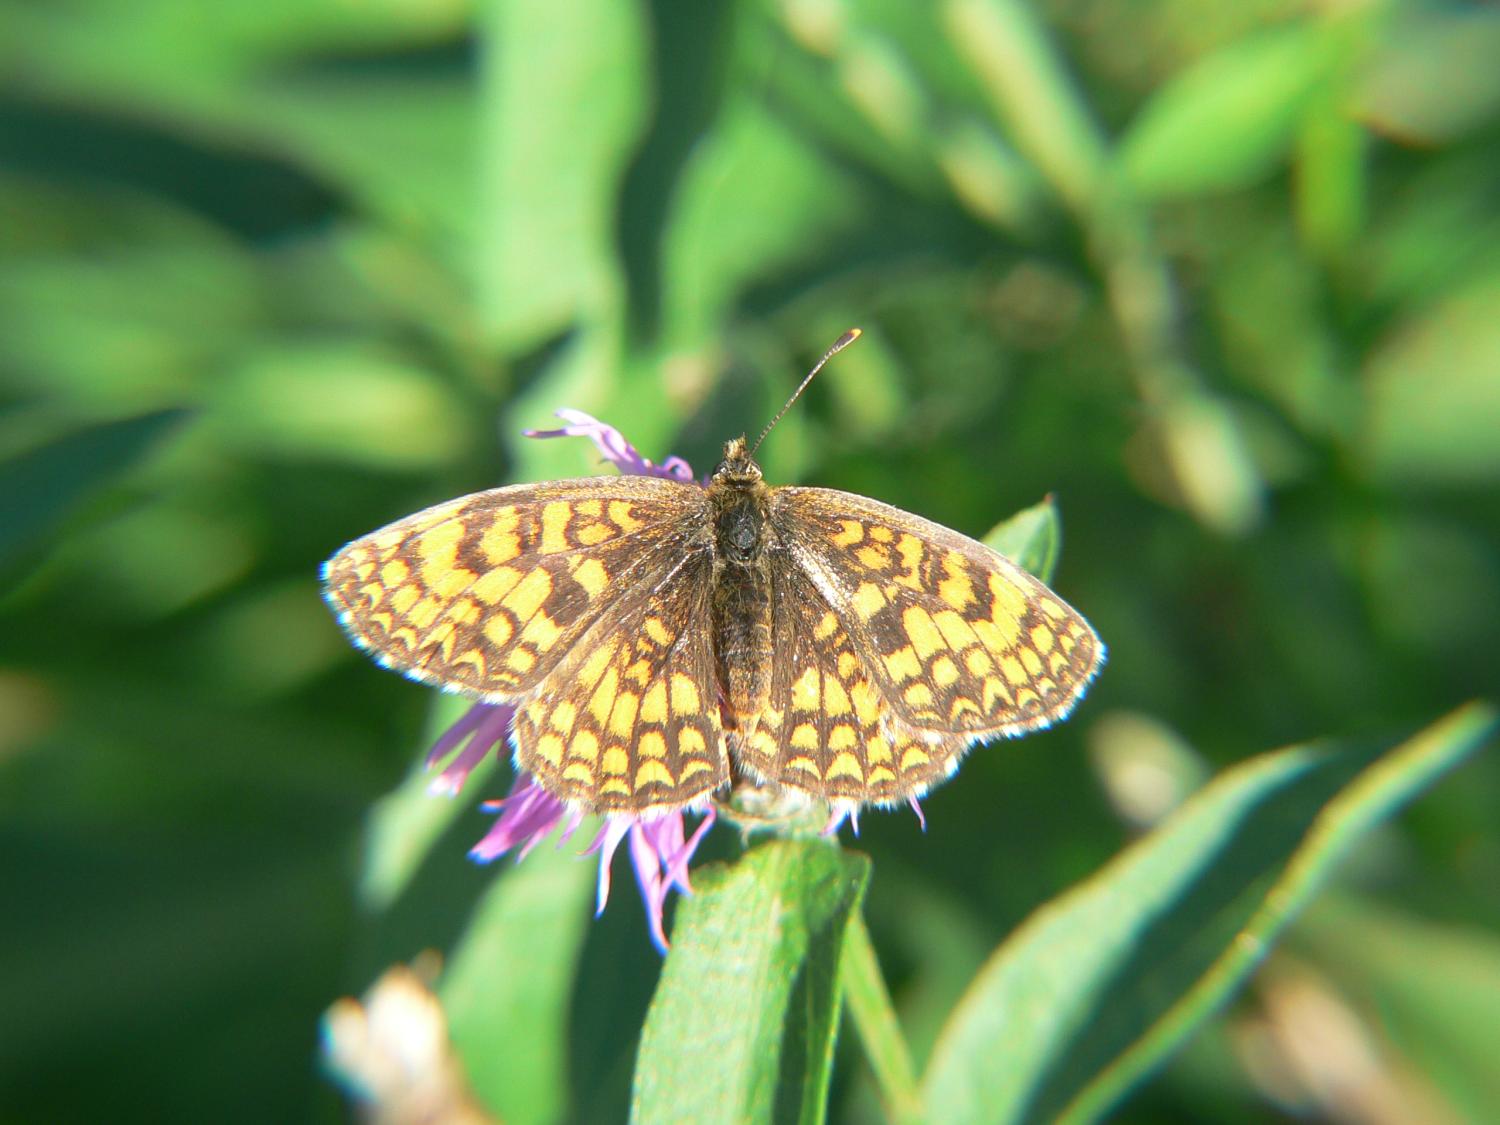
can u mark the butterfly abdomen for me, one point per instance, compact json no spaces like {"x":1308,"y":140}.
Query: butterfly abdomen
{"x":741,"y":602}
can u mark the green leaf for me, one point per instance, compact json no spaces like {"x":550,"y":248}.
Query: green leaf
{"x":39,"y":488}
{"x":741,"y":1028}
{"x":509,"y":982}
{"x":1432,"y":399}
{"x":343,"y":402}
{"x":561,"y":105}
{"x":1098,"y":986}
{"x":1032,"y":538}
{"x":405,"y":824}
{"x":1229,"y":118}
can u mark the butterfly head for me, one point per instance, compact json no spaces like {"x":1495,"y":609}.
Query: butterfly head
{"x":738,"y":469}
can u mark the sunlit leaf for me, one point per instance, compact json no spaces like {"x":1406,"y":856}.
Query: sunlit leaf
{"x":342,"y":402}
{"x":1098,"y":986}
{"x":742,"y":1025}
{"x":561,"y":102}
{"x":1230,"y":117}
{"x":1032,"y":538}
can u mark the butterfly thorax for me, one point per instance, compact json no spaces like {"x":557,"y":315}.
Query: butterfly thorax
{"x":741,"y":598}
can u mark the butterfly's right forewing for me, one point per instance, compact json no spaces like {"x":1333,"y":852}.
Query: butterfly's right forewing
{"x":487,"y":593}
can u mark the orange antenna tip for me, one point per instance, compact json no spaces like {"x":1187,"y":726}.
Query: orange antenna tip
{"x":838,"y":345}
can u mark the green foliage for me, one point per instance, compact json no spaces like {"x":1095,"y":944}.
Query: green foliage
{"x":1224,"y":279}
{"x":41,"y":486}
{"x":1032,"y":537}
{"x":743,"y":1021}
{"x":1230,"y":118}
{"x":1102,"y":982}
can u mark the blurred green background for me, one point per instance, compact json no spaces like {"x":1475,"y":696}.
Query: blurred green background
{"x":1224,"y":278}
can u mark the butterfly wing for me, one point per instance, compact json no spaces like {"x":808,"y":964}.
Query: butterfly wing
{"x":583,"y":602}
{"x":827,"y":729}
{"x":486,"y":594}
{"x":959,"y":640}
{"x":630,"y":721}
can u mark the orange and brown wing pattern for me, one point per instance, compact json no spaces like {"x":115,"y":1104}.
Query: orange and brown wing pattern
{"x":630,"y":721}
{"x":487,"y":593}
{"x":828,"y":730}
{"x":960,"y":640}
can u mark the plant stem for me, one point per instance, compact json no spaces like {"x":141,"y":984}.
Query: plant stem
{"x":879,"y":1031}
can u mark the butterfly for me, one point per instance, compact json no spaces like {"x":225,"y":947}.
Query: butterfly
{"x":661,"y":640}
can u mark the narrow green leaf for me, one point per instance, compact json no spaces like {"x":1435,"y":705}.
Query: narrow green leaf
{"x":1011,"y":54}
{"x":562,"y":96}
{"x":509,"y":983}
{"x":1228,"y":118}
{"x":1032,"y":538}
{"x":874,"y":1017}
{"x":742,"y":1026}
{"x":39,"y":488}
{"x":403,"y":826}
{"x":1096,"y":987}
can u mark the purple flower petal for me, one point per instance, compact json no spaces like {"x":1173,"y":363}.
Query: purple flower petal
{"x":481,"y":728}
{"x":611,"y":832}
{"x":613,"y":446}
{"x":646,"y":856}
{"x":676,"y":868}
{"x":527,"y":814}
{"x":837,"y":814}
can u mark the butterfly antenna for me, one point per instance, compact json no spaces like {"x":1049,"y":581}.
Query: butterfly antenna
{"x":838,"y":345}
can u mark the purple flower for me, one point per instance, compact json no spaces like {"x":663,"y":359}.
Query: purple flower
{"x":660,"y":848}
{"x":612,"y":444}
